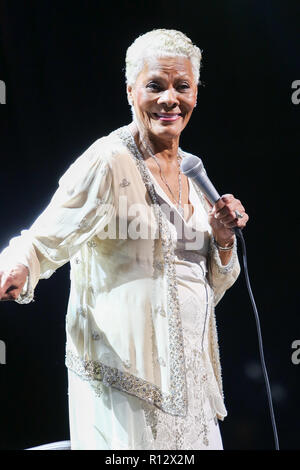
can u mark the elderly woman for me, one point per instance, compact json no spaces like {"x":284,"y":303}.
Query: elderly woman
{"x":149,"y":259}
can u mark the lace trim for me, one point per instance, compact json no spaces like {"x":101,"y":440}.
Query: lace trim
{"x":227,"y":268}
{"x":192,"y":431}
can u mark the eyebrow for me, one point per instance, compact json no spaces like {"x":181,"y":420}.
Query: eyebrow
{"x":160,"y":77}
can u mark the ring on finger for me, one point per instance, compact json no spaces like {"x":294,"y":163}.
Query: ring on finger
{"x":238,"y":214}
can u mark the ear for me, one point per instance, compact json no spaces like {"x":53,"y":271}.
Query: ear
{"x":129,"y":95}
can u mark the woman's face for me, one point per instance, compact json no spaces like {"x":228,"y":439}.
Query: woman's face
{"x":164,"y":96}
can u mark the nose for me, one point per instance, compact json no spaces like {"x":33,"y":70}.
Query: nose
{"x":169,"y":98}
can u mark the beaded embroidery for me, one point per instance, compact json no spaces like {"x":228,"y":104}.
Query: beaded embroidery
{"x":177,"y":366}
{"x":28,"y":296}
{"x":111,"y":376}
{"x":124,"y":183}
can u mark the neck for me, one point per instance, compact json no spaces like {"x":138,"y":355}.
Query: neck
{"x":166,"y":149}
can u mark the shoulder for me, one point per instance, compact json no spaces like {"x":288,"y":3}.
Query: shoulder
{"x":106,"y":151}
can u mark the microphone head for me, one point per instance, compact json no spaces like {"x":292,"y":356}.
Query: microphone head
{"x":191,"y":166}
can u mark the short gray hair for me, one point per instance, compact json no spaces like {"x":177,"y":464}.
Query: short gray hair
{"x":160,"y":43}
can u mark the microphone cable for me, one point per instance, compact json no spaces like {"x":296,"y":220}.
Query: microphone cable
{"x":239,"y":234}
{"x":193,"y":167}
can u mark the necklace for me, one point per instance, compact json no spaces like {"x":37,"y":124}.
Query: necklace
{"x":178,"y":203}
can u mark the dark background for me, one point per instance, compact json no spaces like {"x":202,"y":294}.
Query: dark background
{"x":63,"y":65}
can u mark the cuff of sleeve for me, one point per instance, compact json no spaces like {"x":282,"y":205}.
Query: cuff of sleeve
{"x":223,"y":268}
{"x":27,"y":294}
{"x":21,"y":251}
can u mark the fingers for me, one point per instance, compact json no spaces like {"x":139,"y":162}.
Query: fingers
{"x":12,"y":282}
{"x":225,"y":212}
{"x":225,"y":199}
{"x":9,"y":296}
{"x":12,"y":293}
{"x":7,"y":287}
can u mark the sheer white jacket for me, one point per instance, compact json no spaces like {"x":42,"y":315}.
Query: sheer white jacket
{"x":123,"y":320}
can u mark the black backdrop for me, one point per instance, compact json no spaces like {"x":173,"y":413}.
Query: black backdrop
{"x":63,"y":66}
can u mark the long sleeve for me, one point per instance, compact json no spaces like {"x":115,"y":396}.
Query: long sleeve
{"x":81,"y":207}
{"x":222,"y":277}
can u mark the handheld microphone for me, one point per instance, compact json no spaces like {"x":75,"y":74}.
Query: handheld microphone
{"x":192,"y":167}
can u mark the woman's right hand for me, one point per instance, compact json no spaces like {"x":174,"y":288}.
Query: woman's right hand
{"x":12,"y":282}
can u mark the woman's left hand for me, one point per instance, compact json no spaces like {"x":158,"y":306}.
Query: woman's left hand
{"x":224,"y":217}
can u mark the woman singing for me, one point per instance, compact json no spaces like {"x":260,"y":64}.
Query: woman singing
{"x":150,"y":259}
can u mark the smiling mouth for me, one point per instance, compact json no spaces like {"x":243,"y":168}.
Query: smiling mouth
{"x":168,"y":116}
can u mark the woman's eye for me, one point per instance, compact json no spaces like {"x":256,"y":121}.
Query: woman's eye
{"x":184,"y":86}
{"x":153,"y":86}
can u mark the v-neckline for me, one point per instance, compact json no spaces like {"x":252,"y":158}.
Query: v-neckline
{"x":164,"y":195}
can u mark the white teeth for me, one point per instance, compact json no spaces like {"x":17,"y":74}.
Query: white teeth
{"x":167,"y":115}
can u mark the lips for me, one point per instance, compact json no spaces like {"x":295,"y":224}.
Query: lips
{"x":168,"y":116}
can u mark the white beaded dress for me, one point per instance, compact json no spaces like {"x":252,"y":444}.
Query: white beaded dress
{"x":118,"y":421}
